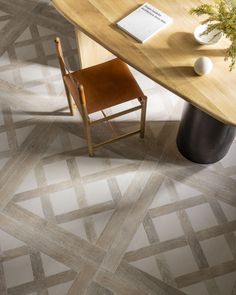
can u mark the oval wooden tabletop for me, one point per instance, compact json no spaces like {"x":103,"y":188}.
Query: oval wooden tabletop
{"x":166,"y":58}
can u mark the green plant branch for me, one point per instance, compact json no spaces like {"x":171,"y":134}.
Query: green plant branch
{"x":221,"y":16}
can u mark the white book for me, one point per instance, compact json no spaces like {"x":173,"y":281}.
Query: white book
{"x":144,"y":22}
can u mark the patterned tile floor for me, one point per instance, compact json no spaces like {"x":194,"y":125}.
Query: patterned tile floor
{"x":136,"y":219}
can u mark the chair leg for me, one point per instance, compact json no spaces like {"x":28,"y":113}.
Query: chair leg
{"x":143,"y":116}
{"x":89,"y":139}
{"x":70,"y":101}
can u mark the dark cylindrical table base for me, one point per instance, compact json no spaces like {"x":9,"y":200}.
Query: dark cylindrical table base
{"x":201,"y":138}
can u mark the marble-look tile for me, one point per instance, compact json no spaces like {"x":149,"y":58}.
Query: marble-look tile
{"x":56,"y":172}
{"x":226,"y":283}
{"x":230,"y":211}
{"x":18,"y":271}
{"x":97,"y":192}
{"x":75,"y":227}
{"x":64,"y":201}
{"x":162,"y":197}
{"x":230,"y":158}
{"x":87,"y":166}
{"x":148,"y":265}
{"x":3,"y":162}
{"x":33,"y":205}
{"x":184,"y":191}
{"x":216,"y":250}
{"x":196,"y":289}
{"x":181,"y":261}
{"x":124,"y":181}
{"x":61,"y":289}
{"x":26,"y":35}
{"x":4,"y":142}
{"x":4,"y":59}
{"x":28,"y":183}
{"x":23,"y":133}
{"x":139,"y":240}
{"x":101,"y":220}
{"x":201,"y":217}
{"x":168,"y":227}
{"x":8,"y":242}
{"x":26,"y":53}
{"x":52,"y":266}
{"x":7,"y":75}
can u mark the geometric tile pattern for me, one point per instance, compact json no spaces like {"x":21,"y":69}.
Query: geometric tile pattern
{"x":136,"y":219}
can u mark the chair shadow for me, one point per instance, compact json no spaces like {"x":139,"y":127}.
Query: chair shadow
{"x":131,"y":147}
{"x":159,"y":144}
{"x":155,"y":146}
{"x":58,"y":113}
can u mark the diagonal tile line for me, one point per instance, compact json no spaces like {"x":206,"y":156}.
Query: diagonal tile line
{"x":193,"y":242}
{"x":52,"y":188}
{"x":234,"y":289}
{"x":31,"y":221}
{"x":10,"y":130}
{"x":47,"y":238}
{"x":200,"y":182}
{"x":134,"y":216}
{"x":108,"y":240}
{"x":11,"y":31}
{"x":22,"y":19}
{"x":79,"y":190}
{"x":12,"y":7}
{"x":153,"y":237}
{"x":22,"y":162}
{"x":41,"y":14}
{"x":129,"y":280}
{"x":118,"y":286}
{"x":14,"y":253}
{"x":132,"y":222}
{"x":3,"y":284}
{"x":221,"y":218}
{"x":44,"y":198}
{"x":21,"y":228}
{"x":38,"y":271}
{"x":74,"y":245}
{"x":162,"y":247}
{"x":50,"y":281}
{"x":206,"y":274}
{"x":16,"y":26}
{"x":148,"y":283}
{"x":115,"y":224}
{"x":28,"y":101}
{"x":96,"y":289}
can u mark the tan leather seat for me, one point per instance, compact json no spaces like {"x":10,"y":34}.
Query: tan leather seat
{"x":107,"y":84}
{"x":99,"y":87}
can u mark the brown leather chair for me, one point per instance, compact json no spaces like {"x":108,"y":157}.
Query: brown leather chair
{"x":99,"y":87}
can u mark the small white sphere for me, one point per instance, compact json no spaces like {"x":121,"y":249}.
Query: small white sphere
{"x":203,"y":65}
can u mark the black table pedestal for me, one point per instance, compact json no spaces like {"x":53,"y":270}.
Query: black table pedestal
{"x":201,"y":138}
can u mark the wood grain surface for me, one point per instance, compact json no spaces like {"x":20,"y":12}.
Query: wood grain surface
{"x":168,"y":57}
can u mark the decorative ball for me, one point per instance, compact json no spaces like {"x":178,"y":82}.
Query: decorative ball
{"x":203,"y":65}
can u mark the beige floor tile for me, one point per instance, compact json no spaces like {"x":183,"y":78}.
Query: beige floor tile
{"x":64,"y":201}
{"x":8,"y":242}
{"x":168,"y":227}
{"x":201,"y":217}
{"x":216,"y":250}
{"x":51,"y":266}
{"x":18,"y":271}
{"x":181,"y":261}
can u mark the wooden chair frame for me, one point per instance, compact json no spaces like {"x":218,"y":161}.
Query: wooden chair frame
{"x":78,"y":95}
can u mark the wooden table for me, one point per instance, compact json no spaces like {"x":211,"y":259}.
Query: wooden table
{"x":208,"y":125}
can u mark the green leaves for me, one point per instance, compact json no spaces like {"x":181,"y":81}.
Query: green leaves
{"x":221,"y":16}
